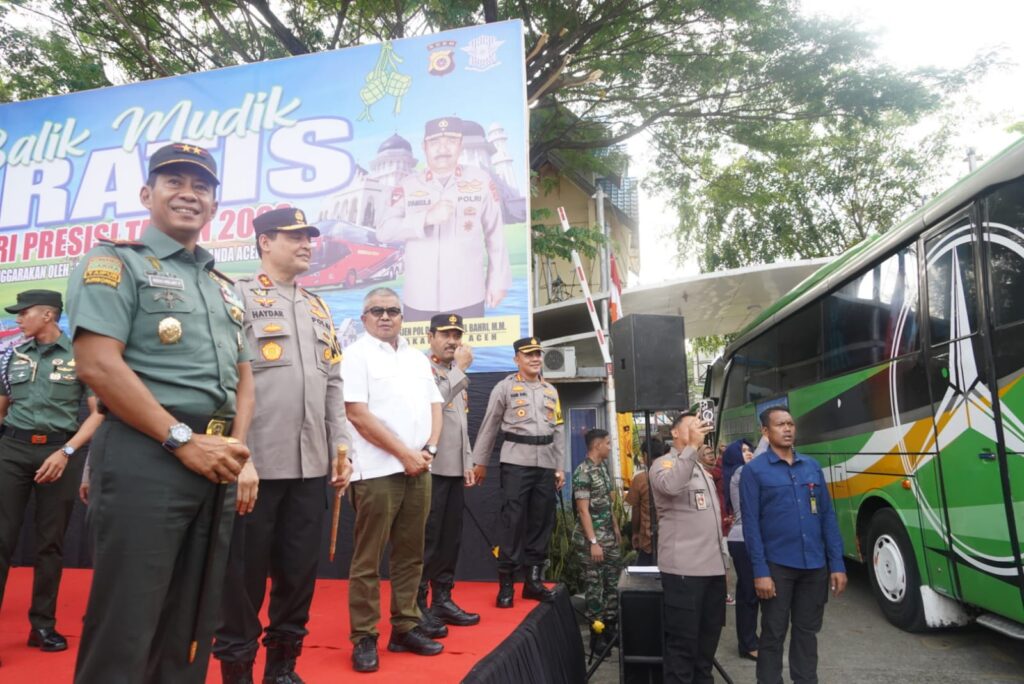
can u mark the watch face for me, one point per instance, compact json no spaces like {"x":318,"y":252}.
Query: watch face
{"x":181,"y":433}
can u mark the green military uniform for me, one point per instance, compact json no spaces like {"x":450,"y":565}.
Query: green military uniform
{"x":150,"y":517}
{"x":591,"y":481}
{"x":44,"y":392}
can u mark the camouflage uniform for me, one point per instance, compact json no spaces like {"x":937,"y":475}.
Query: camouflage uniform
{"x":600,"y":580}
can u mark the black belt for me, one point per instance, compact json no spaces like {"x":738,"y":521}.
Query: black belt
{"x":204,"y":425}
{"x":536,"y":440}
{"x":30,"y":437}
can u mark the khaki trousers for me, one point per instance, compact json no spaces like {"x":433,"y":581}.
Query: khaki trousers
{"x":392,"y":508}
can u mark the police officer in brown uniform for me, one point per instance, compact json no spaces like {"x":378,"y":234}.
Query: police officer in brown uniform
{"x":299,"y":423}
{"x":525,"y":409}
{"x":39,"y":398}
{"x":451,"y":471}
{"x":448,"y":213}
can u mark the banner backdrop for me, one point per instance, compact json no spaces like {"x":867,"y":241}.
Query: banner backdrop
{"x":410,"y":157}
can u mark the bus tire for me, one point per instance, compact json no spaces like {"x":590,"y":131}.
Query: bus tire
{"x":892,"y":570}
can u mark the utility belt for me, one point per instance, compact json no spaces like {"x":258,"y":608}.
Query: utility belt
{"x":31,"y":437}
{"x":204,"y":425}
{"x":535,"y":440}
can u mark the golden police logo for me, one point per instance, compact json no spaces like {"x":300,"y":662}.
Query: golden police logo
{"x":533,"y":340}
{"x":271,"y":351}
{"x":453,"y":319}
{"x":442,"y":58}
{"x":299,"y":216}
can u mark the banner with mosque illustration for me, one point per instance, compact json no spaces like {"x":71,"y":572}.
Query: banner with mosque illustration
{"x":409,"y":156}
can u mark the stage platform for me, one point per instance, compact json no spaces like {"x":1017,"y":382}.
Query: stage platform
{"x":531,"y":642}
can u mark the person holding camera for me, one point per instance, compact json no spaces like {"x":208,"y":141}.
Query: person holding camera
{"x":691,"y":554}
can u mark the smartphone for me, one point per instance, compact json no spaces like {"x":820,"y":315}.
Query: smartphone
{"x":706,"y":415}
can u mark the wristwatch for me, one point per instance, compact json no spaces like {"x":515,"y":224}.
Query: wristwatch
{"x":592,"y":540}
{"x":68,"y":450}
{"x":177,"y":437}
{"x":430,"y":449}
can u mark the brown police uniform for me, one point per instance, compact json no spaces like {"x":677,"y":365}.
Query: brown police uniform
{"x":447,"y":497}
{"x":298,"y":424}
{"x":529,"y":417}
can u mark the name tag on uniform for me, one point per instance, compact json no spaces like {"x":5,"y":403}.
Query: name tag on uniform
{"x":701,"y":500}
{"x":165,"y":280}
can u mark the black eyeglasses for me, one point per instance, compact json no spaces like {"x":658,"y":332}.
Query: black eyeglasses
{"x":378,"y":311}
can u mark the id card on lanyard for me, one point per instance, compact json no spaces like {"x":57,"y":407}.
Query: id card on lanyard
{"x":814,"y":498}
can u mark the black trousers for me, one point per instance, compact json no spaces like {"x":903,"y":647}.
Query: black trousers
{"x":444,"y":530}
{"x":746,"y":598}
{"x":800,"y":595}
{"x":54,"y":502}
{"x":694,"y":614}
{"x":644,"y":557}
{"x":527,"y":516}
{"x":150,"y":519}
{"x":279,"y":539}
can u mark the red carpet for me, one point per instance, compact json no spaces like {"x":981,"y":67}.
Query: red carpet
{"x":326,"y":655}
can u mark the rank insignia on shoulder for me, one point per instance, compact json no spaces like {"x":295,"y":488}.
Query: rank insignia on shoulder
{"x":265,"y":280}
{"x":103,"y":270}
{"x":667,"y":463}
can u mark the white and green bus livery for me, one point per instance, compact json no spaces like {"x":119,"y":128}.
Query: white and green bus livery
{"x":902,"y":363}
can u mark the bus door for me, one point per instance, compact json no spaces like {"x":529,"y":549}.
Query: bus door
{"x":1003,"y":294}
{"x":975,"y":519}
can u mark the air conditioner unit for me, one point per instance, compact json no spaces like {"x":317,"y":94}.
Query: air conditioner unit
{"x":560,"y":362}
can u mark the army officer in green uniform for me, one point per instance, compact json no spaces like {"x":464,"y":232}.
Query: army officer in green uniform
{"x":39,"y":398}
{"x":158,"y":336}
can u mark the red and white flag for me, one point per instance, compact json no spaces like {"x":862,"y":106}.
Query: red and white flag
{"x":615,"y":296}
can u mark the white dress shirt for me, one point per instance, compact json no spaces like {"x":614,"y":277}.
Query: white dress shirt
{"x":398,"y":387}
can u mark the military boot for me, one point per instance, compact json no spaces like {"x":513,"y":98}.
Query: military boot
{"x":506,"y":590}
{"x":236,"y":672}
{"x":430,"y":625}
{"x":534,"y":588}
{"x":446,"y":610}
{"x":281,"y":657}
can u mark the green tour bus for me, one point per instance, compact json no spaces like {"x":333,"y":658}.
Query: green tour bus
{"x":902,"y":363}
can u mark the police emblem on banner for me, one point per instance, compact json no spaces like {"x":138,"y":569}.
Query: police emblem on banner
{"x":442,"y":58}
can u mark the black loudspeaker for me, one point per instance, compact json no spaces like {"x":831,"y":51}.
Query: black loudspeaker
{"x":640,"y":629}
{"x":649,"y":358}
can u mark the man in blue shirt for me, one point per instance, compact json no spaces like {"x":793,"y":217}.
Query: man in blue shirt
{"x":795,"y":549}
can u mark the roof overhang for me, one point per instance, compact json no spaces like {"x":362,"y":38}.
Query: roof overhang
{"x":722,"y":302}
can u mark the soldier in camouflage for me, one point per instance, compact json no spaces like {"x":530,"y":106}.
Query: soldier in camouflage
{"x":596,"y":538}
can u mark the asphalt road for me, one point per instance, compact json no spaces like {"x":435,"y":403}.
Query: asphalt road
{"x":858,"y":646}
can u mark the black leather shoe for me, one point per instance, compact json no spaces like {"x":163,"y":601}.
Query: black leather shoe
{"x":364,"y":655}
{"x":236,"y":672}
{"x":534,"y":588}
{"x":748,"y":656}
{"x":281,"y":657}
{"x":506,"y":590}
{"x":447,"y":611}
{"x":431,"y":626}
{"x":48,"y":640}
{"x":414,"y":641}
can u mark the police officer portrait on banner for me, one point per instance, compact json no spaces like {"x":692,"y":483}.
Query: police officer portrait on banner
{"x":448,"y":213}
{"x":525,"y":410}
{"x":298,"y":440}
{"x":157,"y":334}
{"x":450,"y":473}
{"x":40,"y":395}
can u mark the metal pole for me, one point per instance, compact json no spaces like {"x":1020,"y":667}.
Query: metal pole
{"x":650,"y":490}
{"x":609,"y":386}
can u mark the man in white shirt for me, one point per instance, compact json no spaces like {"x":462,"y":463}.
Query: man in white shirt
{"x":394,"y":405}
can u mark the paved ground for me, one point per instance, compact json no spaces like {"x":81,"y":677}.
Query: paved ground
{"x":858,"y":646}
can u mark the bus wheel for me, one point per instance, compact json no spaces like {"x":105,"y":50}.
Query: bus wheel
{"x":892,"y":569}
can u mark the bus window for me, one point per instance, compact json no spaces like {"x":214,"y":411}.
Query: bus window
{"x":872,"y":318}
{"x":952,"y":283}
{"x":1005,"y":226}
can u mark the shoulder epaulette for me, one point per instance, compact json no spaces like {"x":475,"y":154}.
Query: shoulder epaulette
{"x":121,"y":243}
{"x":223,"y":277}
